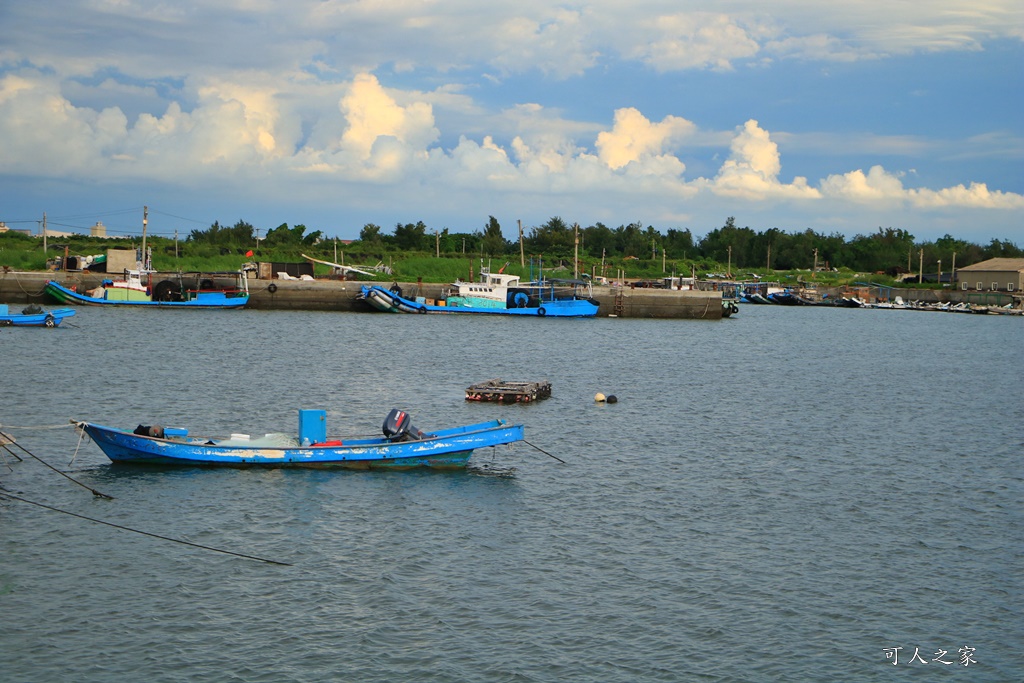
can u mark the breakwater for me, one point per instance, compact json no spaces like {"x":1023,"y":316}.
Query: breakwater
{"x":342,"y":295}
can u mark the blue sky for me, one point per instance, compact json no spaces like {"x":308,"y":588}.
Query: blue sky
{"x":675,"y":114}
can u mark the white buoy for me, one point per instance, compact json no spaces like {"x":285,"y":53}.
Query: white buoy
{"x":599,"y":397}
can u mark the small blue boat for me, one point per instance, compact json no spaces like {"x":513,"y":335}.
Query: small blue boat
{"x":33,"y":316}
{"x":402,"y":445}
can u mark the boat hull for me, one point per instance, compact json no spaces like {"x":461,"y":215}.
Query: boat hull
{"x":390,"y":302}
{"x":445,"y":449}
{"x":215,"y":300}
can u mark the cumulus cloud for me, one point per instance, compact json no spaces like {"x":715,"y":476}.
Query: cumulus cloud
{"x":879,"y":185}
{"x":752,"y":170}
{"x":41,"y":133}
{"x":372,"y":114}
{"x":634,"y":137}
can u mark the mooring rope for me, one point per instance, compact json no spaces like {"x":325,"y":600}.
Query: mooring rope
{"x":22,"y":287}
{"x":81,"y":437}
{"x":10,"y":441}
{"x":544,"y":451}
{"x":144,"y":533}
{"x":64,"y":425}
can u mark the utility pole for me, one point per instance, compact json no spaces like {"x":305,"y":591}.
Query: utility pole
{"x":437,"y":244}
{"x":728,"y":270}
{"x":145,"y":222}
{"x":952,"y":273}
{"x":920,"y":267}
{"x":769,"y":266}
{"x":44,"y":233}
{"x":576,"y":251}
{"x":522,"y":253}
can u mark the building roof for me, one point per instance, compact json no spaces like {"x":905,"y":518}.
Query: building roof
{"x":997,"y":264}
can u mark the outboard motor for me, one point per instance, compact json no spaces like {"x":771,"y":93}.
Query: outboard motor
{"x":398,"y":427}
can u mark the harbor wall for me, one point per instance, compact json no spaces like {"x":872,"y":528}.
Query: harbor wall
{"x":341,"y":295}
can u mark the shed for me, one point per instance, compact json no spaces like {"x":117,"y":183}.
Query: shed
{"x":994,"y":275}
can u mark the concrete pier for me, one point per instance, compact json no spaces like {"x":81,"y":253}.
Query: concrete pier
{"x":341,"y":295}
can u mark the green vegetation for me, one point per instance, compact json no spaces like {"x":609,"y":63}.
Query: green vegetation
{"x":414,"y":251}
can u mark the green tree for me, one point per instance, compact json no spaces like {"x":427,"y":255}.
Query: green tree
{"x":630,"y":240}
{"x":466,"y":242}
{"x":370,"y":234}
{"x":554,"y":238}
{"x":679,"y":244}
{"x":410,"y":237}
{"x":493,"y":241}
{"x":599,"y":241}
{"x":1002,"y":249}
{"x":283,"y":236}
{"x":730,"y":243}
{"x":241,"y":234}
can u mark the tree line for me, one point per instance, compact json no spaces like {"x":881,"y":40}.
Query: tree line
{"x":890,"y":250}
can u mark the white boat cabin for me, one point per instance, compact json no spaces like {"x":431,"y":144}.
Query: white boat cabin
{"x":492,"y":286}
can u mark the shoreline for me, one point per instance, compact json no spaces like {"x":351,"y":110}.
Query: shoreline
{"x":341,"y":295}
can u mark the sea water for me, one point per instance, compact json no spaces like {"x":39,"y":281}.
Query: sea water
{"x":789,"y":494}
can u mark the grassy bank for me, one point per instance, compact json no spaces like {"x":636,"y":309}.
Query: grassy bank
{"x":24,"y":253}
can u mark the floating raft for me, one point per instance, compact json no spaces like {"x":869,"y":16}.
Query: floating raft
{"x":501,"y":391}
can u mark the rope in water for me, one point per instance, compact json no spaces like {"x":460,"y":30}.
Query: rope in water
{"x":10,"y":441}
{"x":144,"y":533}
{"x":544,"y":451}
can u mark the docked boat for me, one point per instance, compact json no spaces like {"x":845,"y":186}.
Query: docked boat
{"x":33,"y":316}
{"x":402,"y":445}
{"x":170,"y":290}
{"x":494,"y":294}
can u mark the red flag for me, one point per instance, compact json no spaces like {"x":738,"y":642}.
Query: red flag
{"x":249,"y":253}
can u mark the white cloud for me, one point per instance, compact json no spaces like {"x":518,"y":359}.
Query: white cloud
{"x":693,"y":40}
{"x":634,"y":137}
{"x":880,"y":186}
{"x":388,"y":138}
{"x":373,"y":114}
{"x":752,"y":171}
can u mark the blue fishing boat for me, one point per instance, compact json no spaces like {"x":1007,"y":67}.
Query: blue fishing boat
{"x":494,"y":294}
{"x":33,"y":316}
{"x":402,"y":445}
